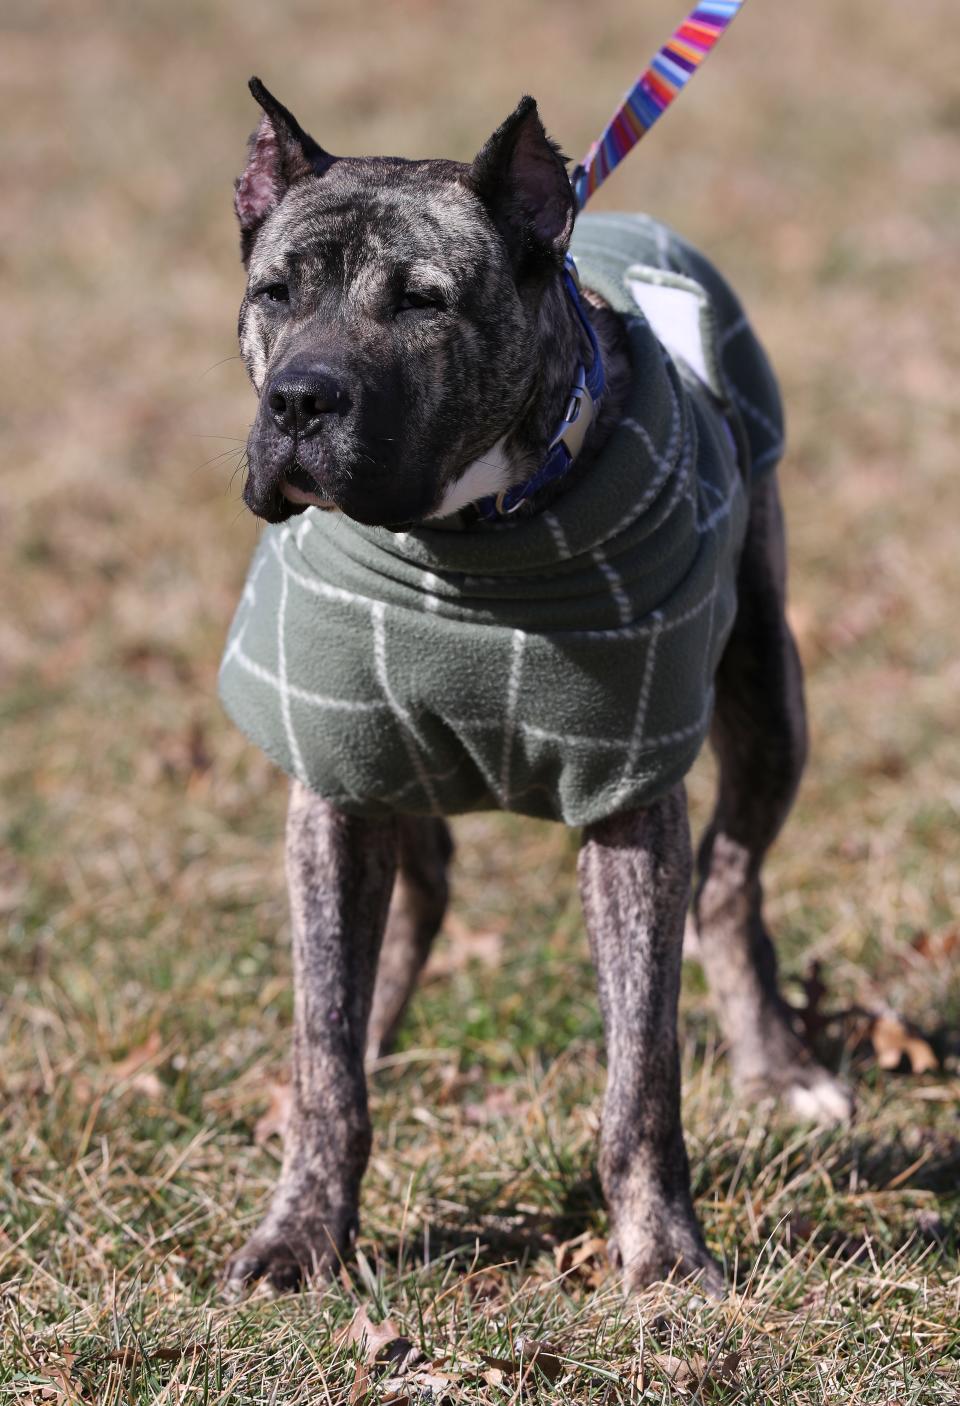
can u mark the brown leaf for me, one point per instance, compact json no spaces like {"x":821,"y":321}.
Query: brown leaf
{"x":695,"y":1373}
{"x":938,"y":946}
{"x":131,"y":1355}
{"x":502,"y":1366}
{"x":892,"y":1040}
{"x":581,"y":1252}
{"x":130,"y":1069}
{"x":362,"y":1385}
{"x":494,"y":1376}
{"x":277,"y":1117}
{"x":382,"y":1344}
{"x":541,"y":1354}
{"x":428,"y":1383}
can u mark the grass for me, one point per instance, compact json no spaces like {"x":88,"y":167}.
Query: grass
{"x":140,"y":878}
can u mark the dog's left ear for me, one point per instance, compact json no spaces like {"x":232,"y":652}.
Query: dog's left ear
{"x":521,"y":177}
{"x":281,"y":153}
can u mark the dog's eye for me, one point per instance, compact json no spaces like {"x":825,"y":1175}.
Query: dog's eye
{"x":419,"y":302}
{"x":274,"y":293}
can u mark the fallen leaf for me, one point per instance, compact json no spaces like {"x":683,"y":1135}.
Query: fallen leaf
{"x":579,"y":1254}
{"x":362,"y":1384}
{"x":938,"y":946}
{"x":695,"y":1373}
{"x":892,"y":1040}
{"x":130,"y":1069}
{"x":426,"y":1384}
{"x":277,"y":1117}
{"x":541,"y":1354}
{"x":131,"y":1355}
{"x":382,"y":1344}
{"x":503,"y":1366}
{"x":61,"y":1388}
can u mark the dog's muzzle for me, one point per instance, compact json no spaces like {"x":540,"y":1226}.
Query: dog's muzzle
{"x":299,"y":487}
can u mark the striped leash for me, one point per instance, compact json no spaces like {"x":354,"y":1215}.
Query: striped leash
{"x":651,"y":95}
{"x":670,"y":70}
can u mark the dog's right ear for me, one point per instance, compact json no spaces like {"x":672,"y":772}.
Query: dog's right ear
{"x":281,"y":153}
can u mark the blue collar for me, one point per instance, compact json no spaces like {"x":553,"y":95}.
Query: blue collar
{"x":582,"y":406}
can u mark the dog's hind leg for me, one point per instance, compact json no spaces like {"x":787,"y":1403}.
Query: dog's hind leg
{"x":416,"y":913}
{"x":759,"y":736}
{"x":340,"y":871}
{"x":635,"y":872}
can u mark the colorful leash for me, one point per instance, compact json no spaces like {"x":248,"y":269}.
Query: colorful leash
{"x":653,"y":92}
{"x":650,"y":96}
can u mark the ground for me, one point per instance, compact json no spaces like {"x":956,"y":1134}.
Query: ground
{"x":143,"y":958}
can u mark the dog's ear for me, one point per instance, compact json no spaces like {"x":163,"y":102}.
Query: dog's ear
{"x":521,"y":177}
{"x":281,"y":153}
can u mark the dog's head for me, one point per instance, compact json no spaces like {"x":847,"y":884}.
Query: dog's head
{"x":389,"y":324}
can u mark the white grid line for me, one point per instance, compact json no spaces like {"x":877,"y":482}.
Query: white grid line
{"x":612,"y":578}
{"x":430,"y":582}
{"x":407,"y":731}
{"x":296,"y":756}
{"x":302,"y":695}
{"x":721,"y":511}
{"x":756,"y":414}
{"x":739,"y":325}
{"x":645,"y":631}
{"x":510,"y":715}
{"x":558,"y":534}
{"x":643,"y":702}
{"x":768,"y":456}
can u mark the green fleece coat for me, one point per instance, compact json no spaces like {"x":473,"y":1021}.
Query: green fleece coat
{"x":559,"y":665}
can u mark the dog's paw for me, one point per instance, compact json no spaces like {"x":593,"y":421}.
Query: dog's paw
{"x":818,"y":1097}
{"x":804,"y":1092}
{"x":674,"y":1252}
{"x":280,"y":1258}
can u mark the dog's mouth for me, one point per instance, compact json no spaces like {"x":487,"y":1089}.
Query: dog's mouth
{"x":297,"y":486}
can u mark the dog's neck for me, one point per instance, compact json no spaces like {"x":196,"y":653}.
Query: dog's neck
{"x":563,"y":347}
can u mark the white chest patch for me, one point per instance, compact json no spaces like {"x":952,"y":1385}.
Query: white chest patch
{"x":488,"y":474}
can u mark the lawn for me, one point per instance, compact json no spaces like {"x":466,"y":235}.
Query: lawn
{"x":144,"y":974}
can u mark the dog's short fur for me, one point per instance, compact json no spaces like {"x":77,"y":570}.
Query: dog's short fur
{"x":412,"y":347}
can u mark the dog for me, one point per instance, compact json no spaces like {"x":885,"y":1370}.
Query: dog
{"x":434,"y":388}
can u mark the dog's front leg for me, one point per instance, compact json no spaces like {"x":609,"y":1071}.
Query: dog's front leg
{"x":340,"y":871}
{"x":634,"y":874}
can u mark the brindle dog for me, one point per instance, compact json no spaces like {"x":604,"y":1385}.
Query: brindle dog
{"x":407,"y":332}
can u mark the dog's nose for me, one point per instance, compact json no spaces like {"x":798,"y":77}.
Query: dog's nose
{"x":299,"y":400}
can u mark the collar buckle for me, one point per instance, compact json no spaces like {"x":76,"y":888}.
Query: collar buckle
{"x":580,"y":413}
{"x":577,"y":418}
